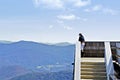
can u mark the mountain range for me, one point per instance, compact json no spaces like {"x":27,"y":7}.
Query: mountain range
{"x":24,"y":57}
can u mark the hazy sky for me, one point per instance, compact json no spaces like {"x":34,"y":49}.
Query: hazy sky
{"x":59,"y":20}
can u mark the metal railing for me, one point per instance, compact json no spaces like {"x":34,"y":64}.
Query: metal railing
{"x":117,"y":70}
{"x":112,"y":77}
{"x":77,"y":62}
{"x":108,"y":60}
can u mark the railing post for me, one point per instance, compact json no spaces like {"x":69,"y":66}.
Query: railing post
{"x":108,"y":60}
{"x":77,"y":64}
{"x":118,"y":50}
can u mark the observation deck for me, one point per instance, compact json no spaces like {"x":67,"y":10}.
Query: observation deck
{"x":98,"y":61}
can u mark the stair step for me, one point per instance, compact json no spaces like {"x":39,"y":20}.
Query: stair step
{"x":93,"y":73}
{"x":92,"y":69}
{"x":92,"y":63}
{"x":92,"y":59}
{"x":93,"y":77}
{"x":92,"y":66}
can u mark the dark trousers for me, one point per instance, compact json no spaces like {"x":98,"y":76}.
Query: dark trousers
{"x":82,"y":54}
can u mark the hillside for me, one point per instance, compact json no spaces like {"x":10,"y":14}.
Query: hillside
{"x":31,"y":54}
{"x":63,"y":75}
{"x":18,"y":58}
{"x":7,"y":72}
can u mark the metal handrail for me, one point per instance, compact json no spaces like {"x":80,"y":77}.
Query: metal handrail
{"x":115,"y":47}
{"x":118,"y":56}
{"x":108,"y":60}
{"x":117,"y":68}
{"x":112,"y":77}
{"x":77,"y":62}
{"x":116,"y":62}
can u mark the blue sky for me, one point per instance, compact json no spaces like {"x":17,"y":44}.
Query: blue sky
{"x":59,"y":20}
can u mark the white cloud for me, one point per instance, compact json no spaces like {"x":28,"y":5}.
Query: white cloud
{"x":94,"y":8}
{"x":67,"y":27}
{"x":53,"y":3}
{"x":110,"y":11}
{"x":63,"y":25}
{"x":97,"y":8}
{"x":68,"y":17}
{"x":81,"y":3}
{"x":49,"y":3}
{"x":36,"y":2}
{"x":61,"y":3}
{"x":102,"y":10}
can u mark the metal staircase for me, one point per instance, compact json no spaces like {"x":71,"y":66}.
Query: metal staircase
{"x":93,"y":69}
{"x":96,"y":64}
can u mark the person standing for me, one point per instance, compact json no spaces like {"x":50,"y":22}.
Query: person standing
{"x":82,"y":40}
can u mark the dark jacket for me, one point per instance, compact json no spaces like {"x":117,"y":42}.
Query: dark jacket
{"x":81,"y":39}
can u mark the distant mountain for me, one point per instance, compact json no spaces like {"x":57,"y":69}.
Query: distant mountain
{"x":63,"y":44}
{"x":63,"y":75}
{"x":35,"y":57}
{"x":5,"y":42}
{"x":31,"y":54}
